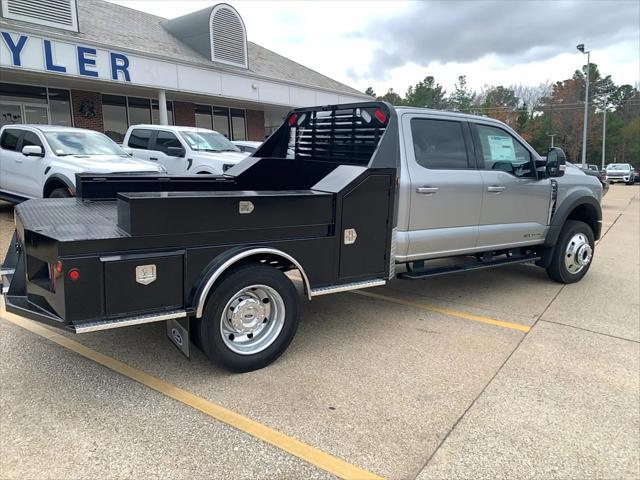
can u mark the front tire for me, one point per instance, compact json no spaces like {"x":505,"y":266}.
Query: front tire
{"x":573,"y":253}
{"x":60,"y":193}
{"x":250,"y":318}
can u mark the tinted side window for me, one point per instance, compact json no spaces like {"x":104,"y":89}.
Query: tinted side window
{"x":164,"y":140}
{"x":31,"y":138}
{"x":501,"y":151}
{"x":9,"y":140}
{"x":439,"y":144}
{"x":139,"y":138}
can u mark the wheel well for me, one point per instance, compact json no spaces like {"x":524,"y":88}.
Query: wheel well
{"x":586,"y":213}
{"x":267,"y":256}
{"x":51,"y":185}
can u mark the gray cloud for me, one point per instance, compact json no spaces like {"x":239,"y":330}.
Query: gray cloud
{"x":518,"y":31}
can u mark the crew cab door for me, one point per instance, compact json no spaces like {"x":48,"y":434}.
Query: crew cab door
{"x":445,"y":186}
{"x":20,"y":174}
{"x":515,"y":203}
{"x":30,"y":169}
{"x":162,"y":143}
{"x":139,"y":142}
{"x":9,"y":159}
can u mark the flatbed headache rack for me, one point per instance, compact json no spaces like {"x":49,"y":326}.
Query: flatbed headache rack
{"x":318,"y":196}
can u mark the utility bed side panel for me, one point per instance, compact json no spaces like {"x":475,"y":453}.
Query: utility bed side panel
{"x":142,"y":214}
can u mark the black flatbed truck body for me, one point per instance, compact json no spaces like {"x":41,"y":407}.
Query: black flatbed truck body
{"x":318,"y":196}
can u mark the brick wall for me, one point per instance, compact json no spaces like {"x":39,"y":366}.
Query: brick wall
{"x":184,"y":114}
{"x":255,"y":125}
{"x":87,"y":110}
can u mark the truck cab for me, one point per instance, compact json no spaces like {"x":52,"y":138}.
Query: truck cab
{"x":183,"y":150}
{"x":471,"y":184}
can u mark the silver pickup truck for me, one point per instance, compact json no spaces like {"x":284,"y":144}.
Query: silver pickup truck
{"x":344,"y":194}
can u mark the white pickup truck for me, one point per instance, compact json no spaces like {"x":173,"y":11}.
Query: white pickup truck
{"x":41,"y":161}
{"x":183,"y":150}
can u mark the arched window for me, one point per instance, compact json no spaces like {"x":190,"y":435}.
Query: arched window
{"x":228,"y":36}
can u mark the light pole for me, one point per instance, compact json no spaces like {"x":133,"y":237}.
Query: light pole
{"x":586,"y":106}
{"x":604,"y":130}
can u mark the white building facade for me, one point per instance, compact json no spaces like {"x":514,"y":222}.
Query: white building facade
{"x":93,"y":64}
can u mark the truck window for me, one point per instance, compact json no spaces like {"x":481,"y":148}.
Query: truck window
{"x":501,"y":151}
{"x":164,"y":140}
{"x":31,"y":138}
{"x":439,"y":144}
{"x":139,"y":138}
{"x":9,"y":140}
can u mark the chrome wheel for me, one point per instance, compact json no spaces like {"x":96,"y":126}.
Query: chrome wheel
{"x":252,"y":320}
{"x":578,"y":253}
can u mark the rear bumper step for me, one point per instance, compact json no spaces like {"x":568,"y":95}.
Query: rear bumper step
{"x":466,"y":267}
{"x":127,"y":322}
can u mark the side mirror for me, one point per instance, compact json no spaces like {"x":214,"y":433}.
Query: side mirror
{"x":556,"y":162}
{"x":175,"y":151}
{"x":32,"y":151}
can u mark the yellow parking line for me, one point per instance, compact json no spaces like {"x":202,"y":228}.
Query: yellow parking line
{"x":305,"y":452}
{"x":446,"y":311}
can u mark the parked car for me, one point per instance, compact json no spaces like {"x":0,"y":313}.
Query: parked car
{"x":344,"y":194}
{"x":593,"y":170}
{"x":636,"y":177}
{"x":39,"y":161}
{"x":247,"y":145}
{"x":621,"y":172}
{"x":183,"y":150}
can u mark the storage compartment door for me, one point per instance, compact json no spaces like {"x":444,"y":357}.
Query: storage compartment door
{"x":364,"y":238}
{"x":144,"y":283}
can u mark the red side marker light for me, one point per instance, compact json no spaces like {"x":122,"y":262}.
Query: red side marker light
{"x":59,"y":266}
{"x":74,"y":274}
{"x":292,"y":119}
{"x":379,"y":114}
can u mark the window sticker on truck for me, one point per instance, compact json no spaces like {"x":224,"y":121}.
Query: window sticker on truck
{"x":502,"y":148}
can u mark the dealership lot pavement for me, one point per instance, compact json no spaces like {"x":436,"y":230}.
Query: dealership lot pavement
{"x":497,"y":373}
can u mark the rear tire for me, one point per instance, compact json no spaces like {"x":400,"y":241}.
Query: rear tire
{"x":60,"y":193}
{"x":573,"y":254}
{"x":250,"y":318}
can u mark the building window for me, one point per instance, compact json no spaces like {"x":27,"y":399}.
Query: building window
{"x":239,"y":124}
{"x":155,"y":112}
{"x":114,"y":116}
{"x":204,"y":118}
{"x":230,"y":122}
{"x":29,"y":104}
{"x":221,"y":120}
{"x":60,"y":107}
{"x":139,"y":110}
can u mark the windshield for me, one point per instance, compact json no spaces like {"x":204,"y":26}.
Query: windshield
{"x":618,"y":166}
{"x":208,"y":141}
{"x":82,"y":143}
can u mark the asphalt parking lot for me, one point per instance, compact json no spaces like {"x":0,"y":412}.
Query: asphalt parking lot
{"x":492,"y":374}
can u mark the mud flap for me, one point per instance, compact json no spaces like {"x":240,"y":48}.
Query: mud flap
{"x":178,"y":333}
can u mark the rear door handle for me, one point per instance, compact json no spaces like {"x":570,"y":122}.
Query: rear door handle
{"x":427,"y":190}
{"x":153,"y":158}
{"x":495,"y":189}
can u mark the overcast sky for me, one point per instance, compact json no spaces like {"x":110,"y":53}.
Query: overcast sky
{"x":395,"y":44}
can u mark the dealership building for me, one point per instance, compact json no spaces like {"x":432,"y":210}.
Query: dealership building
{"x":93,"y":64}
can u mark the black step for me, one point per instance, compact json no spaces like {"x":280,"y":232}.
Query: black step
{"x":466,"y":267}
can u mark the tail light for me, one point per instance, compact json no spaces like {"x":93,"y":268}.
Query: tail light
{"x":74,"y":274}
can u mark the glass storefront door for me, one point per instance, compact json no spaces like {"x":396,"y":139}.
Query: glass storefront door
{"x":10,"y":113}
{"x":35,"y":114}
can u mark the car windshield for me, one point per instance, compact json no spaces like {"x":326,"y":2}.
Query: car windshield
{"x":82,"y":143}
{"x":618,"y":166}
{"x":208,"y":141}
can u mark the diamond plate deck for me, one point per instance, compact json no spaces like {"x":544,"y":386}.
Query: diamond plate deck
{"x":70,"y":219}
